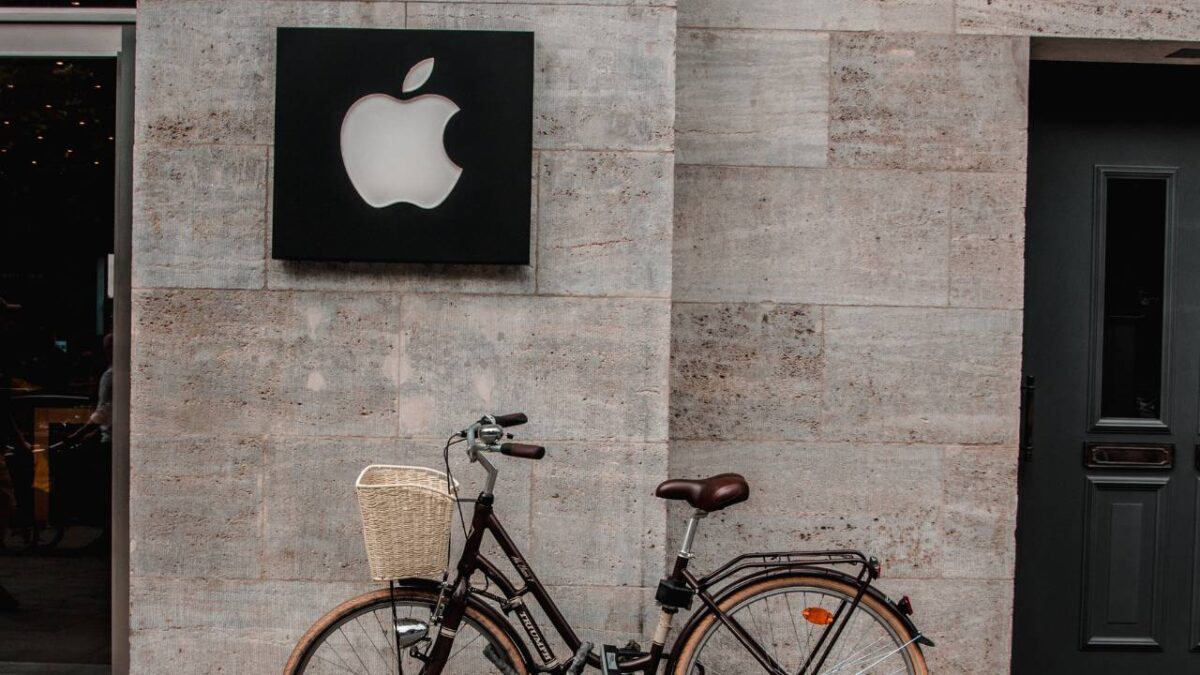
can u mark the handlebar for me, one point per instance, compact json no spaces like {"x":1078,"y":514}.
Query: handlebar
{"x":511,"y":419}
{"x":486,"y":434}
{"x":523,"y":450}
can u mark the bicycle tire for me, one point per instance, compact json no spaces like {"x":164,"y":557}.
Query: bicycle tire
{"x":708,"y":633}
{"x":307,"y":652}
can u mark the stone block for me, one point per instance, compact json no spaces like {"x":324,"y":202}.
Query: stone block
{"x":810,"y":236}
{"x":206,"y":68}
{"x":605,"y":224}
{"x":1121,"y":19}
{"x":604,"y":77}
{"x":979,"y":497}
{"x":852,"y":15}
{"x":880,"y":499}
{"x":195,"y":506}
{"x":987,"y":240}
{"x":752,"y":98}
{"x":408,"y":277}
{"x":209,"y":626}
{"x":582,"y":368}
{"x":928,"y":101}
{"x":199,"y":216}
{"x":253,"y":362}
{"x":921,"y":375}
{"x":594,"y":518}
{"x":744,"y":371}
{"x":970,"y":620}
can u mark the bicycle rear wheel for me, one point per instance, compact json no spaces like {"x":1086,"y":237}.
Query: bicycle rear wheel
{"x":355,"y":638}
{"x":787,"y":616}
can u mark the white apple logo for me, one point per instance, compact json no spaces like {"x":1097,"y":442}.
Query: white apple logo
{"x":393,"y":149}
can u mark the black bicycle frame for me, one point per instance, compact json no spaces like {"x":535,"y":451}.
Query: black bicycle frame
{"x":512,"y":599}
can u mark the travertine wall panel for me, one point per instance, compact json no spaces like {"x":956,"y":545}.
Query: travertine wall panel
{"x":881,"y":383}
{"x":607,"y":224}
{"x":207,"y":67}
{"x":595,"y":520}
{"x":971,"y":619}
{"x":811,"y":236}
{"x":746,"y":371}
{"x":907,"y":101}
{"x":264,"y":362}
{"x":894,"y":15}
{"x":211,"y":626}
{"x":1124,"y":19}
{"x":202,"y":220}
{"x":592,"y":91}
{"x":575,"y":365}
{"x":758,"y":98}
{"x":978,"y":503}
{"x":197,"y":511}
{"x":987,"y":240}
{"x":882,"y":499}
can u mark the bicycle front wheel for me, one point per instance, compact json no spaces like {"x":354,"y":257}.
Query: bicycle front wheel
{"x":787,"y":615}
{"x":356,"y":638}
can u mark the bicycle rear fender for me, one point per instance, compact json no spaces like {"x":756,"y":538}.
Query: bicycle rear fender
{"x":756,"y":577}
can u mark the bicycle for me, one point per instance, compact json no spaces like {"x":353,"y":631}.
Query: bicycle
{"x":782,"y":613}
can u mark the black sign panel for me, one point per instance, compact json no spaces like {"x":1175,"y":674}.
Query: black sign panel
{"x":403,"y":145}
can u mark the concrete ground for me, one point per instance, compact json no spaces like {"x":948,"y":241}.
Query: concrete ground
{"x":62,"y":624}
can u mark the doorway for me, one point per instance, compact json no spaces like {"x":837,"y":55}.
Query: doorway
{"x":65,"y":149}
{"x":1107,"y":520}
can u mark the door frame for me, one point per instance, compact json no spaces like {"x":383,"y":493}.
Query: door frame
{"x":1110,"y":51}
{"x":103,"y":33}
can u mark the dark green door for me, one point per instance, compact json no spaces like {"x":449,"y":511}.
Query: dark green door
{"x":1107,"y":519}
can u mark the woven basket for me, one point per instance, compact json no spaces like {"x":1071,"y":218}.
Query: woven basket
{"x":406,"y":520}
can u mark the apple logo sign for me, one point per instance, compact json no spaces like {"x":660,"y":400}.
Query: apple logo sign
{"x":396,"y":145}
{"x":393,"y":149}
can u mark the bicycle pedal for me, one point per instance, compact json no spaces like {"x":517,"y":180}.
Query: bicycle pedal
{"x":608,"y":660}
{"x":579,"y":661}
{"x":493,"y":655}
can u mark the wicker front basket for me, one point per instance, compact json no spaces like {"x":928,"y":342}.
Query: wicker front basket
{"x":406,"y":520}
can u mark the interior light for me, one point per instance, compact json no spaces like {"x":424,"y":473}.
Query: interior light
{"x":58,"y":63}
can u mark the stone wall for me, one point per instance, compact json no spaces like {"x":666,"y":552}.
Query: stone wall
{"x":261,"y":388}
{"x":846,"y":325}
{"x":848,"y":270}
{"x":836,"y":311}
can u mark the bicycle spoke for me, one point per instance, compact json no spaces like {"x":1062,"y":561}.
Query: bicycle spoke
{"x":352,"y":649}
{"x":865,"y":643}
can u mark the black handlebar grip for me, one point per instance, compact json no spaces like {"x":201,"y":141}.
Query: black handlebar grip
{"x":523,"y":450}
{"x":511,"y":419}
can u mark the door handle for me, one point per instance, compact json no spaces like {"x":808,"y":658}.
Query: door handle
{"x":1026,"y":440}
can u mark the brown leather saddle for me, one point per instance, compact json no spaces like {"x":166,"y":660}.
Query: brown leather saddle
{"x":707,"y":494}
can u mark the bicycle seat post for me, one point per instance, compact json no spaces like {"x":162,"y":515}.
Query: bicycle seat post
{"x":689,"y":535}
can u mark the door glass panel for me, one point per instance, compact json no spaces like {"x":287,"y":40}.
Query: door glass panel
{"x":1135,"y":217}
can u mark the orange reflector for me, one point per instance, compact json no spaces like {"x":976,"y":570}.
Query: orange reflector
{"x":817,"y":615}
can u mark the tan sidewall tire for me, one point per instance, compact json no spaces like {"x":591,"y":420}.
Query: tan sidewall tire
{"x":690,"y":642}
{"x":354,"y":604}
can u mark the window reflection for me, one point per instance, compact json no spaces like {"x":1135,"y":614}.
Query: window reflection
{"x":1135,"y":238}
